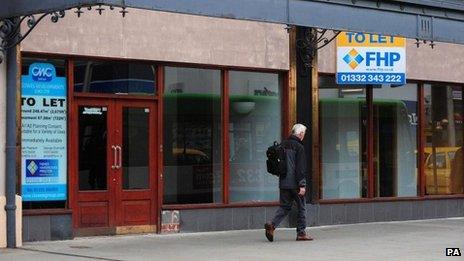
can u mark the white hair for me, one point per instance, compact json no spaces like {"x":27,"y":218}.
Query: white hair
{"x":298,"y":128}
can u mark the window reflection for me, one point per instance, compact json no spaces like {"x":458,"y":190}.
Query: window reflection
{"x":395,"y":140}
{"x":343,"y":120}
{"x":114,"y":77}
{"x":444,"y":139}
{"x":192,"y":136}
{"x":254,"y":124}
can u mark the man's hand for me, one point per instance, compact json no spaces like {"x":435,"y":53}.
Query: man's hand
{"x":302,"y":192}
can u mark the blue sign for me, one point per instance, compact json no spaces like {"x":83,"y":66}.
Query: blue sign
{"x":41,"y":168}
{"x":43,"y":134}
{"x":371,"y":78}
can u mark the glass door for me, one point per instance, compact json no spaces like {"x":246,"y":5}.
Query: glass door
{"x":136,"y":163}
{"x":96,"y":160}
{"x":116,"y":163}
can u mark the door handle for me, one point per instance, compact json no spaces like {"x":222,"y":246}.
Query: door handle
{"x":115,"y":156}
{"x":119,"y":155}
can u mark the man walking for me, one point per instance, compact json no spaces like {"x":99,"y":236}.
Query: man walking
{"x":292,"y":186}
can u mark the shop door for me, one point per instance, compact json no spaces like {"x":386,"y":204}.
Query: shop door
{"x":116,"y":164}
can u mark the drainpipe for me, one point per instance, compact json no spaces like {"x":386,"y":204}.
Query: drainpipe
{"x":10,"y":171}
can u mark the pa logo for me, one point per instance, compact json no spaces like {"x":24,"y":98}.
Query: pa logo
{"x":453,"y":251}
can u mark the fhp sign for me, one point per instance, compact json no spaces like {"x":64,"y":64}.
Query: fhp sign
{"x":370,"y":59}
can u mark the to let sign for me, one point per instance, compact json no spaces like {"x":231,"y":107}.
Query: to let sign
{"x":43,"y":134}
{"x":370,"y":59}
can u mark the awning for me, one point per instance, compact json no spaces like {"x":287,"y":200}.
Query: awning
{"x":437,"y":20}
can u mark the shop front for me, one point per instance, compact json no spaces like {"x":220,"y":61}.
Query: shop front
{"x":139,"y":139}
{"x":163,"y":138}
{"x":97,"y":154}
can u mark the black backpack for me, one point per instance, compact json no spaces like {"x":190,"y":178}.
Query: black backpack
{"x":276,"y":164}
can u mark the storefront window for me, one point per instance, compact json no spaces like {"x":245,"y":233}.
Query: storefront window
{"x":395,"y":141}
{"x":343,"y":120}
{"x":254,"y":124}
{"x":114,"y":77}
{"x":192,"y":136}
{"x":444,"y":169}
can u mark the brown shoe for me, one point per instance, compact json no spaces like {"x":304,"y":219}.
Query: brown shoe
{"x":269,"y":227}
{"x":303,"y":237}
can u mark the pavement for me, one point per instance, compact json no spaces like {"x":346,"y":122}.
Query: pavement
{"x":407,"y":240}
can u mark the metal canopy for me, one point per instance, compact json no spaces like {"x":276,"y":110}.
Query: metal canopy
{"x":12,"y":8}
{"x":437,"y":20}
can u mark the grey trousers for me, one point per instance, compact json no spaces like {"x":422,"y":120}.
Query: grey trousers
{"x":287,"y":197}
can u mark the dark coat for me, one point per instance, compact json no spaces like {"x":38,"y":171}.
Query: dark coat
{"x":296,"y":164}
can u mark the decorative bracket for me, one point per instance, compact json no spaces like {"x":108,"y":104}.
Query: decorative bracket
{"x":313,"y":40}
{"x":419,"y":42}
{"x":10,"y":28}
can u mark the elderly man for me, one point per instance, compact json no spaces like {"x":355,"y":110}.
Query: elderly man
{"x":292,"y":186}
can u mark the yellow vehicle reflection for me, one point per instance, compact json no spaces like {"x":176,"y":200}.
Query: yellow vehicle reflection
{"x":444,"y":174}
{"x":189,"y":156}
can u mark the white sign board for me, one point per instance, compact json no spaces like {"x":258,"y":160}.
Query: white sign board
{"x":370,"y":59}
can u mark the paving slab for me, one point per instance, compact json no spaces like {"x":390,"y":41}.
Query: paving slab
{"x":410,"y":240}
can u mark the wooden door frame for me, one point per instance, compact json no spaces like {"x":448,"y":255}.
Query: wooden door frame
{"x":155,"y":134}
{"x":153,"y":164}
{"x":74,"y":170}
